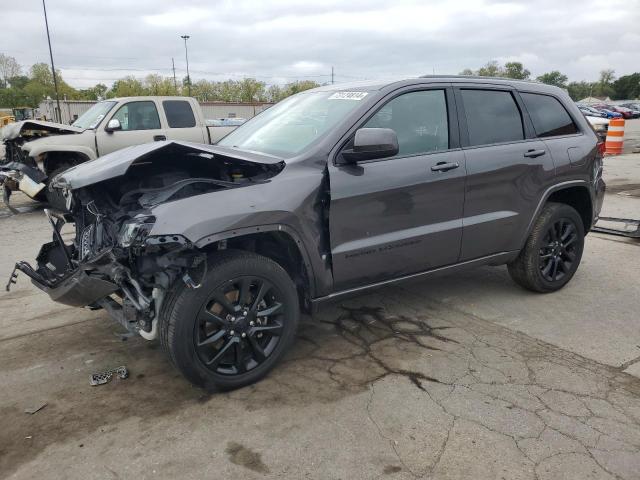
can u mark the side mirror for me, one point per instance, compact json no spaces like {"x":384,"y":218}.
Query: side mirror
{"x":372,"y":143}
{"x":113,"y":125}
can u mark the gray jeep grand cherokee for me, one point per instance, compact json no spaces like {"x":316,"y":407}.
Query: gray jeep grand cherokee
{"x":216,"y":249}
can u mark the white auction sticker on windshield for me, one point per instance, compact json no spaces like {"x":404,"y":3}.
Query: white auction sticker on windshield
{"x":348,"y":96}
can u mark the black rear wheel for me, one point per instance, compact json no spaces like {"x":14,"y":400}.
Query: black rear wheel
{"x":553,"y":250}
{"x":233,"y":329}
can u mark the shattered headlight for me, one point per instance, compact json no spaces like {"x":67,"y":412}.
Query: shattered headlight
{"x":134,"y":231}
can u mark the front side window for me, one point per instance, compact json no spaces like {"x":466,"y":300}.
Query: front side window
{"x":492,"y":117}
{"x":138,"y":116}
{"x":419,"y":120}
{"x":548,"y":115}
{"x":179,"y":114}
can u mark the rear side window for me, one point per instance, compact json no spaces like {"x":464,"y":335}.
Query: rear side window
{"x":492,"y":117}
{"x":548,"y":115}
{"x":179,"y":114}
{"x":418,"y":118}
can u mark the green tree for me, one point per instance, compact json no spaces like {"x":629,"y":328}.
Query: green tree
{"x":19,"y":81}
{"x":158,"y":85}
{"x":554,"y":78}
{"x":604,"y":86}
{"x":127,"y":87}
{"x":466,"y":71}
{"x":204,"y":91}
{"x":491,"y":69}
{"x":251,"y":90}
{"x":627,"y":87}
{"x":580,"y":90}
{"x":515,"y":70}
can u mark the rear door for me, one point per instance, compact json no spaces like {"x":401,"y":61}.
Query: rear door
{"x":140,"y":124}
{"x":507,"y":169}
{"x":181,"y":122}
{"x":396,"y":216}
{"x":553,"y":124}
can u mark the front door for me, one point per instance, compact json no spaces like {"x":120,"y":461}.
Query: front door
{"x":400,"y":215}
{"x":140,"y":123}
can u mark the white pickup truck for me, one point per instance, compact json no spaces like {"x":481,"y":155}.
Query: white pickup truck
{"x":36,"y":151}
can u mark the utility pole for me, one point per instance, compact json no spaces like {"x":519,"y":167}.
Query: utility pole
{"x":331,"y":75}
{"x":186,"y":56}
{"x":53,"y":68}
{"x":175,"y":83}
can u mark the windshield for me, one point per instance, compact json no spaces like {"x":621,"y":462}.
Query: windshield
{"x":92,"y":117}
{"x":288,"y":128}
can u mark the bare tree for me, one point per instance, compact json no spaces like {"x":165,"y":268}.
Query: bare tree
{"x":9,"y":68}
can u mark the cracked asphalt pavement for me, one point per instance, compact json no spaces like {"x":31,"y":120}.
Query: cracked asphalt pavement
{"x":452,"y":378}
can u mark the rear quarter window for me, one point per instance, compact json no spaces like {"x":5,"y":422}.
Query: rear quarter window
{"x":179,"y":114}
{"x":548,"y":115}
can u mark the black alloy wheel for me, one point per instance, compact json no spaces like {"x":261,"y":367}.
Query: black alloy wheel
{"x":239,"y":326}
{"x":558,"y":252}
{"x":233,"y":329}
{"x":552,"y":252}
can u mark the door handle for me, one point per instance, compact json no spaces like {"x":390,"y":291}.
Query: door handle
{"x":534,"y":153}
{"x":158,"y":138}
{"x":444,"y":166}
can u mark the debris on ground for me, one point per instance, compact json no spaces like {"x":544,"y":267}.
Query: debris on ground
{"x":103,"y":377}
{"x":36,"y":408}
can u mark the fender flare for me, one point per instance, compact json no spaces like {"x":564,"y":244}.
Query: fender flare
{"x":276,"y":227}
{"x":543,"y":200}
{"x":39,"y":150}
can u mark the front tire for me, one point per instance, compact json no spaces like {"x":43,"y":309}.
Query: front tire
{"x":553,"y":250}
{"x":232,"y":330}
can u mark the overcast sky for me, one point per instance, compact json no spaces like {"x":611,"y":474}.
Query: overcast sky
{"x":280,"y":41}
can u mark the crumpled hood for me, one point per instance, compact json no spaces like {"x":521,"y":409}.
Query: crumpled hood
{"x":13,"y":130}
{"x":117,"y":164}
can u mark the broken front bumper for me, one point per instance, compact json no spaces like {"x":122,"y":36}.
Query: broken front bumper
{"x":77,"y":289}
{"x":58,"y":276}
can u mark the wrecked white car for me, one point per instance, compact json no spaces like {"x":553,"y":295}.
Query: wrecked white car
{"x":36,"y":151}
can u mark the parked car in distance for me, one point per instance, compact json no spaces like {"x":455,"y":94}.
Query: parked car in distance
{"x":609,"y":113}
{"x":36,"y":151}
{"x":591,"y":111}
{"x":634,"y":107}
{"x":625,"y":112}
{"x":215,"y":249}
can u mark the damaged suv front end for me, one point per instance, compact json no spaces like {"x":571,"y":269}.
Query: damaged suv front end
{"x":115,"y":260}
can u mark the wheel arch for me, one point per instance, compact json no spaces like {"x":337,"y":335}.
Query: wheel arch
{"x":53,"y":158}
{"x":280,"y":243}
{"x":577,"y":197}
{"x":574,"y":193}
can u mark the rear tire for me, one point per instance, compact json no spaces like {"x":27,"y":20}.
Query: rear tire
{"x":553,"y":250}
{"x":235,"y":328}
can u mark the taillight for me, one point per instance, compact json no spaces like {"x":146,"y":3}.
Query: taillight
{"x":601,"y":148}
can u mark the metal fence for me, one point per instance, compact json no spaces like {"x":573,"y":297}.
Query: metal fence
{"x":72,"y":109}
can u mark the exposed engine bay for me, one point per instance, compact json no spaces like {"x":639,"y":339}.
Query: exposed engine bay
{"x":113,"y":260}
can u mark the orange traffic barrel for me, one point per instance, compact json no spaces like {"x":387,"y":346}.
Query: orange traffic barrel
{"x":615,"y":136}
